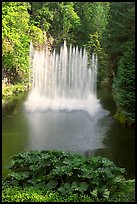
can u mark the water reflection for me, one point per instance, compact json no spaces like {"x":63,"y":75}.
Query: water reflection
{"x":118,"y":146}
{"x":69,"y":131}
{"x":14,"y":134}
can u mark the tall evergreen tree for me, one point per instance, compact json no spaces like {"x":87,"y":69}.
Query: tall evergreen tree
{"x":120,"y":29}
{"x":124,"y":85}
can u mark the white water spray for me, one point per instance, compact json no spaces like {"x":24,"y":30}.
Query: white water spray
{"x":63,"y":81}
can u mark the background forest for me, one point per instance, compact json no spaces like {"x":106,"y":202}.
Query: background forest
{"x":106,"y":28}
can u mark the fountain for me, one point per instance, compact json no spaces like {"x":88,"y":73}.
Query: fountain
{"x":63,"y":81}
{"x":62,"y":108}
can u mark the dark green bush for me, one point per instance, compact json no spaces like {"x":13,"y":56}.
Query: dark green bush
{"x":68,"y":173}
{"x":124,"y":85}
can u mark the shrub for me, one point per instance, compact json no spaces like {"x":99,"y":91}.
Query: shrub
{"x":32,"y":194}
{"x":11,"y":91}
{"x":68,"y":173}
{"x":124,"y":85}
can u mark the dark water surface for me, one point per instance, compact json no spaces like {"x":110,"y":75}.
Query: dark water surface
{"x":69,"y":131}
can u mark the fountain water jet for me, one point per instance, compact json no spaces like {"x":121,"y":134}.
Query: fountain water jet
{"x":63,"y":81}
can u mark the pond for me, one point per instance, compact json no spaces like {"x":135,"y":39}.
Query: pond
{"x":72,"y":131}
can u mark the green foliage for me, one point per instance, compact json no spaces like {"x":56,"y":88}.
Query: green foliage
{"x":97,"y":14}
{"x":37,"y":35}
{"x":70,"y":18}
{"x":34,"y":194}
{"x":100,"y":16}
{"x":17,"y":30}
{"x":93,"y":18}
{"x":128,"y":195}
{"x":15,"y":38}
{"x":10,"y":92}
{"x":124,"y":85}
{"x":59,"y":19}
{"x":81,"y":34}
{"x":94,"y":46}
{"x":121,"y":68}
{"x":121,"y":26}
{"x":119,"y":30}
{"x":68,"y":173}
{"x":41,"y":15}
{"x":73,"y":21}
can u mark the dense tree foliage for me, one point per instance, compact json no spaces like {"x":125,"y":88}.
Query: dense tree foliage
{"x":120,"y":29}
{"x":57,"y":18}
{"x":15,"y":39}
{"x":16,"y":35}
{"x":100,"y":27}
{"x":124,"y":85}
{"x":121,"y":61}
